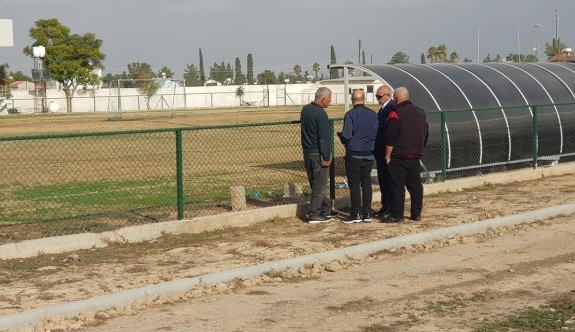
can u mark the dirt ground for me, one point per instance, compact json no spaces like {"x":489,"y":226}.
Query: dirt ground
{"x":458,"y":270}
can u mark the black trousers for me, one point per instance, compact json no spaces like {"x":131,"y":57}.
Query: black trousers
{"x":317,"y":177}
{"x":358,"y":173}
{"x":405,"y":173}
{"x":383,"y":181}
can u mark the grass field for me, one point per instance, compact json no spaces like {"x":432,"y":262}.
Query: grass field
{"x":73,"y":180}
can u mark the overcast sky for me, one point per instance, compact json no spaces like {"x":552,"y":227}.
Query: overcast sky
{"x":280,"y":34}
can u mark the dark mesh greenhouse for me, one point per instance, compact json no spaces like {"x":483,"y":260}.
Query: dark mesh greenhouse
{"x":490,"y":115}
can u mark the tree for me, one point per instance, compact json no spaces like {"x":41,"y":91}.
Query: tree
{"x":556,"y":47}
{"x":316,"y":68}
{"x":19,"y":76}
{"x":442,"y":53}
{"x":192,"y":76}
{"x":297,"y":72}
{"x":422,"y":58}
{"x":432,"y":54}
{"x":466,"y":60}
{"x":4,"y":81}
{"x":498,"y":58}
{"x":140,"y":69}
{"x":71,"y":58}
{"x":281,"y":78}
{"x":333,"y":73}
{"x":240,"y":93}
{"x":146,"y":84}
{"x":399,"y":57}
{"x":167,"y":71}
{"x":454,"y":57}
{"x":240,"y":78}
{"x":267,"y":77}
{"x":202,"y":71}
{"x":487,"y":58}
{"x":363,"y":57}
{"x":250,"y":69}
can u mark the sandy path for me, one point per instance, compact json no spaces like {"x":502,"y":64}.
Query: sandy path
{"x":444,"y":289}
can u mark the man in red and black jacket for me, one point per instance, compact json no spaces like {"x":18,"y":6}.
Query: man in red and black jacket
{"x":406,"y":137}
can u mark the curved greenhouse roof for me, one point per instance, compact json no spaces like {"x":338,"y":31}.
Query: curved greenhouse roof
{"x":504,"y":133}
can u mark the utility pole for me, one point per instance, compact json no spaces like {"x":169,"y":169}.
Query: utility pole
{"x":359,"y":53}
{"x":556,"y":10}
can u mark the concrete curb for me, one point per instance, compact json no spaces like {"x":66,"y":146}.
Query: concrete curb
{"x":66,"y":243}
{"x":164,"y":290}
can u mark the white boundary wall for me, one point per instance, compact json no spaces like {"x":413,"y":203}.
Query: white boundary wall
{"x":97,"y":100}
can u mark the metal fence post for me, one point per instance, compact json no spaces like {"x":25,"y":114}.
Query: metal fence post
{"x":535,"y":137}
{"x":332,"y":167}
{"x":443,"y":146}
{"x":179,"y":174}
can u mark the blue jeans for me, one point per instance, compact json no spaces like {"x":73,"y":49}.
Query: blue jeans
{"x":317,"y":177}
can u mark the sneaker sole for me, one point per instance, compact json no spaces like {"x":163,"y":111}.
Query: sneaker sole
{"x":351,"y":222}
{"x":319,"y":221}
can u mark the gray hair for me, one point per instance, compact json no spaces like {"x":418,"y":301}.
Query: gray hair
{"x":321,"y":93}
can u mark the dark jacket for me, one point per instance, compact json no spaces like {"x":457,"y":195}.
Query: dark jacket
{"x":359,"y":131}
{"x":382,"y":115}
{"x":407,"y":131}
{"x":316,"y":131}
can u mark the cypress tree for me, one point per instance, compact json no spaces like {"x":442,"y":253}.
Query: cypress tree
{"x":333,"y":73}
{"x":250,"y":69}
{"x":422,"y":58}
{"x":202,"y":73}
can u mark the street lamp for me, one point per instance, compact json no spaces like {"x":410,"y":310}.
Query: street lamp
{"x":536,"y":43}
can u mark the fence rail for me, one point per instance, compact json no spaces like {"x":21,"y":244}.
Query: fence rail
{"x":69,"y":183}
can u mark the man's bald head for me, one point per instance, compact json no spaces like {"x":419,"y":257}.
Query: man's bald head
{"x":358,"y":96}
{"x":401,"y":94}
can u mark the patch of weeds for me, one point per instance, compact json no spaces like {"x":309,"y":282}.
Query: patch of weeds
{"x":555,"y":315}
{"x":443,"y":306}
{"x":410,"y":320}
{"x":378,"y":328}
{"x":263,"y":244}
{"x":357,"y":305}
{"x":136,"y":269}
{"x":258,"y":292}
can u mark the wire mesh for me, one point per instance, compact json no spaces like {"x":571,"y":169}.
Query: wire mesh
{"x":62,"y":184}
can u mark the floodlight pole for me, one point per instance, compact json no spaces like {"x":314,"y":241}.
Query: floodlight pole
{"x":38,"y":54}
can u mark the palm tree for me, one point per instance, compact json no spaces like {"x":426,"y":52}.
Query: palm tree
{"x":442,"y":52}
{"x":454,"y":57}
{"x":432,"y":54}
{"x":297,"y":72}
{"x":316,"y":69}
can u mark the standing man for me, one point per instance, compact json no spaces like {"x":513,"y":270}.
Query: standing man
{"x":406,"y":138}
{"x":317,"y":154}
{"x":358,"y":136}
{"x":384,"y":97}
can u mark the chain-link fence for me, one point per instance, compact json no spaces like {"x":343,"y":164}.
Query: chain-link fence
{"x":62,"y":184}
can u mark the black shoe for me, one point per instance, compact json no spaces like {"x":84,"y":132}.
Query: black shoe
{"x":384,"y":214}
{"x":317,"y":219}
{"x":367,"y":217}
{"x":332,"y":214}
{"x":390,"y":219}
{"x":415,"y":217}
{"x":352,"y":219}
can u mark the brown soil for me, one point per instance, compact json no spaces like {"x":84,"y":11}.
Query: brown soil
{"x":449,"y":275}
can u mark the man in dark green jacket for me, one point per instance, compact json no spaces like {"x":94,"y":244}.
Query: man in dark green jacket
{"x":317,"y":154}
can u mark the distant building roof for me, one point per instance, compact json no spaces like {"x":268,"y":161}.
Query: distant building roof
{"x":563,"y":57}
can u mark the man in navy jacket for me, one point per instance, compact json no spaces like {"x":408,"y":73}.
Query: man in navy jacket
{"x":384,"y":96}
{"x":358,"y":135}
